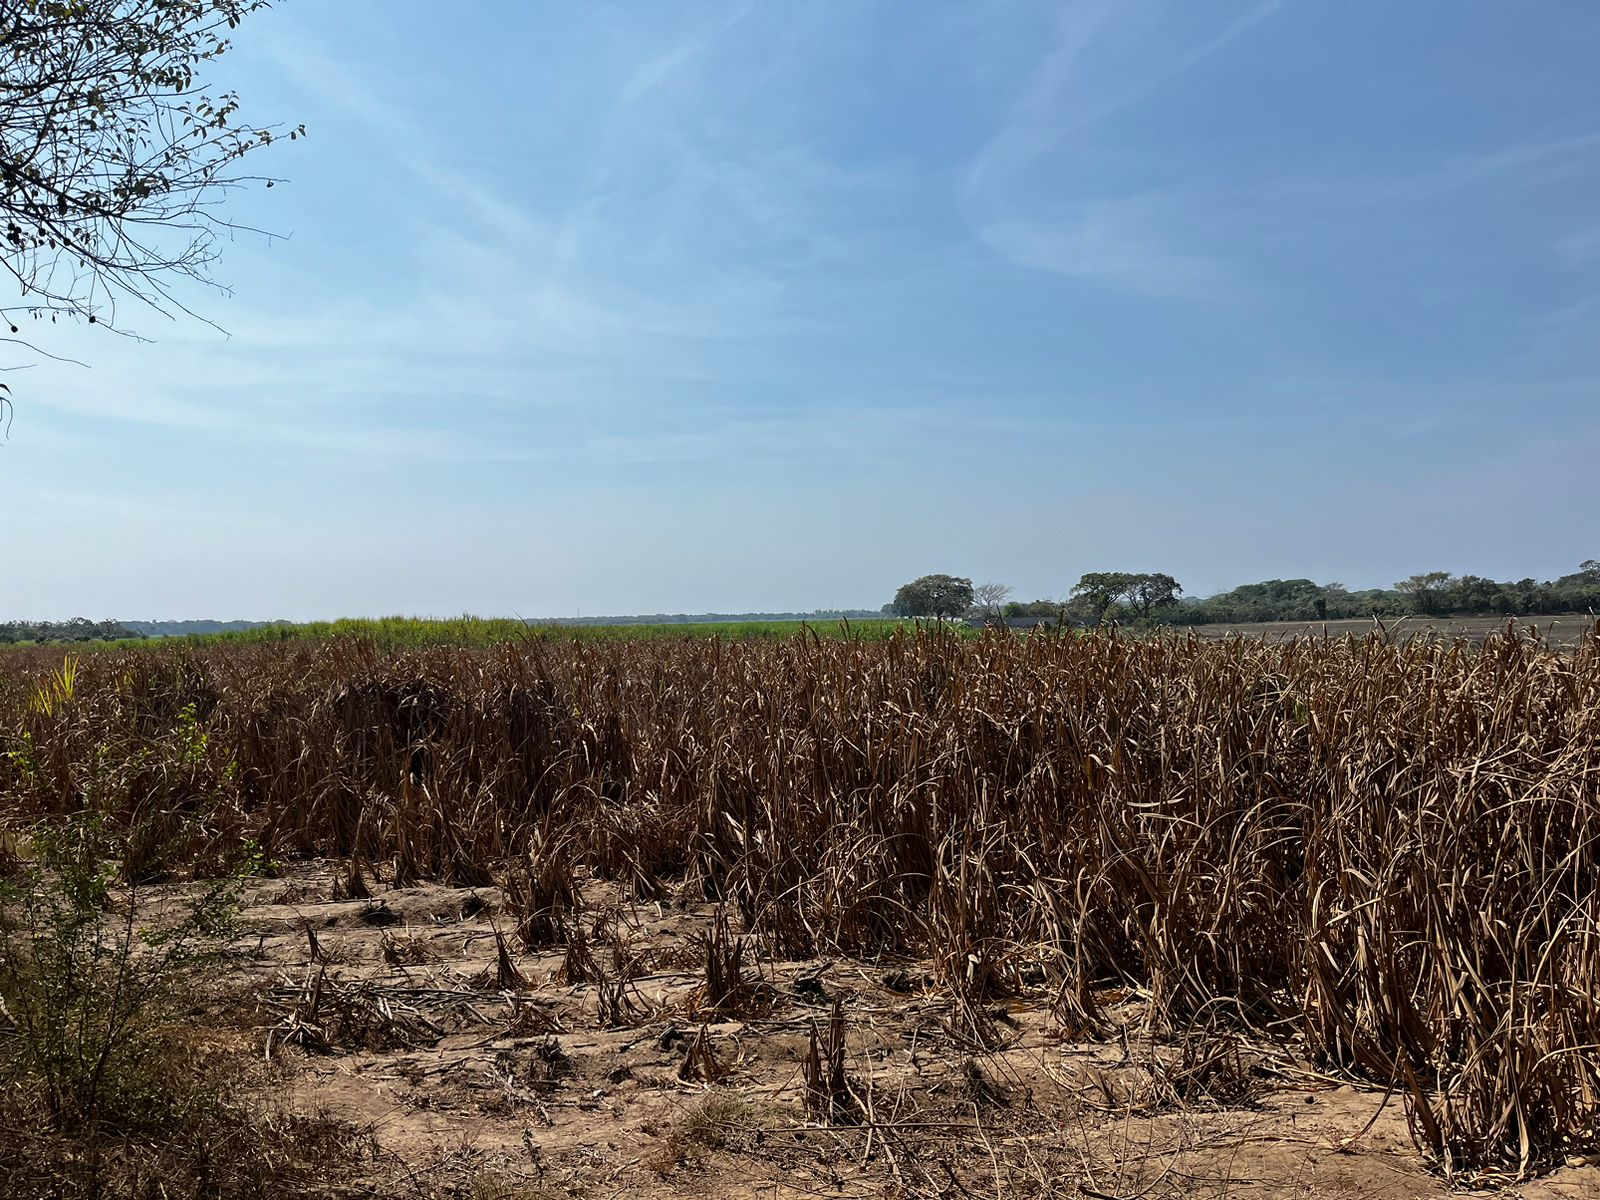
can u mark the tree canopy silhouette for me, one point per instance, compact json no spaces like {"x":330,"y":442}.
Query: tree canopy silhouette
{"x":934,"y":596}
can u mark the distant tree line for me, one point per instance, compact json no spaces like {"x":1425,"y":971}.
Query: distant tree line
{"x":1428,"y":594}
{"x":78,"y":629}
{"x":1156,"y":598}
{"x":186,"y":628}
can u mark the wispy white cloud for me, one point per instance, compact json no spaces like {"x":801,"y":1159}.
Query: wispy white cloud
{"x":1122,"y":245}
{"x":506,"y":260}
{"x":1120,"y":239}
{"x":403,"y":136}
{"x":657,"y":70}
{"x":1037,"y":117}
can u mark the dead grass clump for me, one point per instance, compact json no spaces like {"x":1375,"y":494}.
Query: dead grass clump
{"x":507,"y":977}
{"x":617,"y":1003}
{"x":351,"y":885}
{"x":326,"y":1016}
{"x":1210,"y":1070}
{"x":727,"y":988}
{"x":831,"y":1096}
{"x":540,"y":891}
{"x":202,"y":1136}
{"x":407,"y":947}
{"x":548,"y":1064}
{"x":700,"y":1060}
{"x":720,"y":1122}
{"x":578,"y":964}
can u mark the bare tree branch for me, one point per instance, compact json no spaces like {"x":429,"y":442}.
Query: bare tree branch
{"x":113,"y":154}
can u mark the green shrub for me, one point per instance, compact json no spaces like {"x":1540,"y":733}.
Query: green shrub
{"x":84,"y":987}
{"x":105,"y":1089}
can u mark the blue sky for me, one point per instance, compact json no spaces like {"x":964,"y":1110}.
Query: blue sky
{"x":632,"y":308}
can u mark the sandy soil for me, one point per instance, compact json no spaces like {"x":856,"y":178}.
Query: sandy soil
{"x":394,"y":1013}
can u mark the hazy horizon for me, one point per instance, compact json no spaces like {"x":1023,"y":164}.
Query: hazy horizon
{"x":745,"y":307}
{"x":647,"y":614}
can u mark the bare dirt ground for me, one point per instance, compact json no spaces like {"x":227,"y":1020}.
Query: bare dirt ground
{"x":1564,"y":629}
{"x":608,"y":1072}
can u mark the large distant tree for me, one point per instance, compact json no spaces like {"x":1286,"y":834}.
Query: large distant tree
{"x":989,"y":599}
{"x":1146,"y":593}
{"x":1099,"y":591}
{"x":1428,"y":592}
{"x":1476,"y":594}
{"x":939,"y":596}
{"x":1580,"y":591}
{"x":114,"y":153}
{"x":1336,"y":601}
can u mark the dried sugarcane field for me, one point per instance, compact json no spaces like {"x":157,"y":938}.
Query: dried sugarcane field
{"x":924,"y":915}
